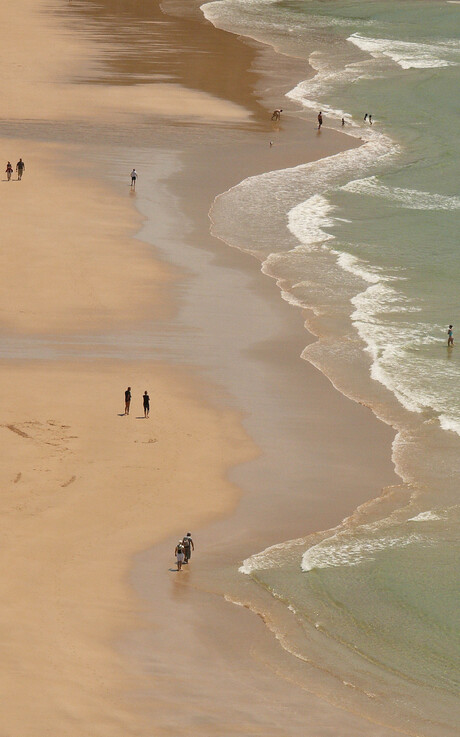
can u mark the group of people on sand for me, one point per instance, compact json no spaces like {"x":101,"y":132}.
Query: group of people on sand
{"x":20,"y":169}
{"x":183,"y":551}
{"x":276,"y":116}
{"x":145,"y":402}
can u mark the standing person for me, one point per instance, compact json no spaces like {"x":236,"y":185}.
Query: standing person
{"x":365,"y":117}
{"x":9,"y":170}
{"x":133,"y":178}
{"x":127,"y":400}
{"x":20,"y":168}
{"x":146,"y":401}
{"x":343,"y":122}
{"x":320,"y":120}
{"x":450,"y":336}
{"x":179,"y":553}
{"x":188,"y":546}
{"x":370,"y":119}
{"x":277,"y":114}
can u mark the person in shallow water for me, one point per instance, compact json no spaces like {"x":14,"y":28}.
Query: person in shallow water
{"x":450,"y":336}
{"x":320,"y":120}
{"x":188,"y":546}
{"x":180,"y":555}
{"x":277,"y":114}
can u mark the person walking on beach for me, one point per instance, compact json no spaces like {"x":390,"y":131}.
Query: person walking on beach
{"x":343,"y":122}
{"x":450,"y":336}
{"x":365,"y":117}
{"x":133,"y":178}
{"x":20,"y":168}
{"x":370,"y":119}
{"x":277,"y":114}
{"x":9,"y":170}
{"x":180,"y":555}
{"x":146,"y":401}
{"x":127,"y":400}
{"x":320,"y":120}
{"x":188,"y":546}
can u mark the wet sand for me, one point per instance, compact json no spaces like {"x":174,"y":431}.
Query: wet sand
{"x":102,"y":648}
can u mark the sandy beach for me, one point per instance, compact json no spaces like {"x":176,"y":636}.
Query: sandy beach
{"x":105,"y":288}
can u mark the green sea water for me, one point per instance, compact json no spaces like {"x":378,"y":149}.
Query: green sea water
{"x":368,"y":240}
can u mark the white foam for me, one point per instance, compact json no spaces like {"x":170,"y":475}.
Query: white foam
{"x":268,"y":558}
{"x":308,"y":220}
{"x":358,"y":267}
{"x":331,"y":76}
{"x":407,"y":54}
{"x":450,"y":423}
{"x":411,"y":199}
{"x":351,"y":551}
{"x":426,"y":517}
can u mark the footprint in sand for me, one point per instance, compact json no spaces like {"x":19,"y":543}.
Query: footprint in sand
{"x":17,"y":431}
{"x":67,"y":483}
{"x":18,"y":478}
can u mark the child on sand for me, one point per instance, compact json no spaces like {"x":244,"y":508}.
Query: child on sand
{"x":9,"y":170}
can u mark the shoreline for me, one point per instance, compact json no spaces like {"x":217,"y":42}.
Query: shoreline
{"x":147,"y":561}
{"x":263,"y":345}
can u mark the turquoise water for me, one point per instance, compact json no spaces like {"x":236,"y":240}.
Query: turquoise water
{"x":368,"y":240}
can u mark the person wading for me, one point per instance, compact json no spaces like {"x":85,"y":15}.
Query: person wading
{"x":180,"y":555}
{"x":188,"y":546}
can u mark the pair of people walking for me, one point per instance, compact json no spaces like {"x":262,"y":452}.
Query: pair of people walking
{"x":145,"y":402}
{"x":183,"y":551}
{"x":20,"y":168}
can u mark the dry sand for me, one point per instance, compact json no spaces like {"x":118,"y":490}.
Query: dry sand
{"x":84,"y":488}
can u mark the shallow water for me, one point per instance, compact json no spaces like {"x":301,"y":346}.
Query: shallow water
{"x":367,"y":241}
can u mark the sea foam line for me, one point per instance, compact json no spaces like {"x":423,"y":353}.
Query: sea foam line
{"x":332,"y":553}
{"x":406,"y":54}
{"x":411,"y":199}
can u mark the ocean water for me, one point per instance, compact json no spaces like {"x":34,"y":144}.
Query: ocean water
{"x":367,"y":240}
